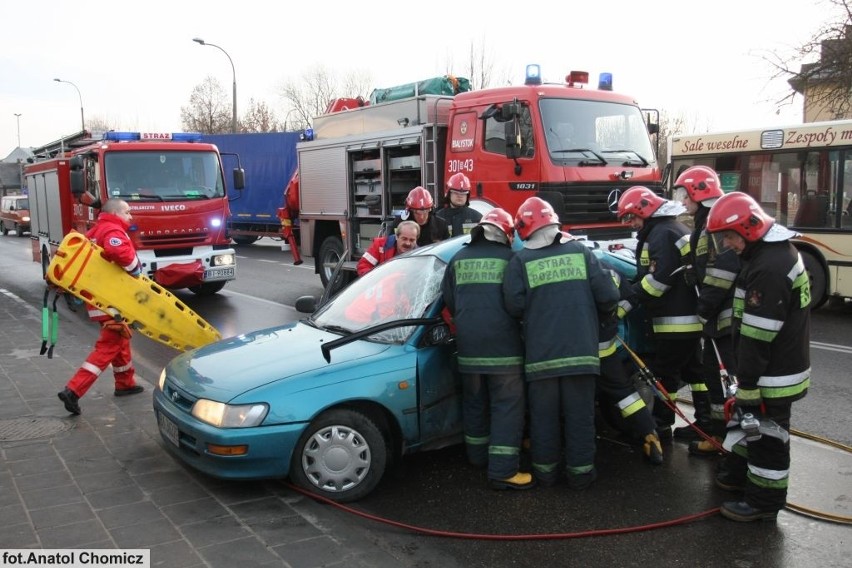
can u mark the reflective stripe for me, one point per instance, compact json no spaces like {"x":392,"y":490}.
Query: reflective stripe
{"x":122,"y":368}
{"x":503,"y":451}
{"x":606,"y":348}
{"x":476,"y":440}
{"x":763,"y":323}
{"x":677,"y":324}
{"x":653,"y":286}
{"x":785,"y":386}
{"x":769,"y":473}
{"x":370,"y":258}
{"x":624,"y":308}
{"x":562,"y":362}
{"x":719,"y":278}
{"x":631,"y":404}
{"x":492,"y":361}
{"x":97,"y":313}
{"x":724,"y":319}
{"x":698,"y":387}
{"x":91,"y":368}
{"x":683,"y":245}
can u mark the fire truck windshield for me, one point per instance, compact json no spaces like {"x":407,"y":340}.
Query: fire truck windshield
{"x":595,"y":133}
{"x":163,"y":175}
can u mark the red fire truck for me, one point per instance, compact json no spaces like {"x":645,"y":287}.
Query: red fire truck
{"x":175,"y":188}
{"x":577,"y":147}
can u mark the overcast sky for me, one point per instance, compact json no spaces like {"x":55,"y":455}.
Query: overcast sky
{"x":135,"y":64}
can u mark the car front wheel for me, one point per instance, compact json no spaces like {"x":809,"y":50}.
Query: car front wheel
{"x":341,"y":455}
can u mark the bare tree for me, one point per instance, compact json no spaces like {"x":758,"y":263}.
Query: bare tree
{"x":827,"y":82}
{"x":480,"y":69}
{"x":259,"y":118}
{"x":97,"y":124}
{"x":209,"y":110}
{"x":310,"y":95}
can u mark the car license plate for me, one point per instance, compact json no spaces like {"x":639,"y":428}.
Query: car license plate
{"x":168,"y":429}
{"x":219,"y":274}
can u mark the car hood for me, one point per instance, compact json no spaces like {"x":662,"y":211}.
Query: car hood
{"x":226,"y":369}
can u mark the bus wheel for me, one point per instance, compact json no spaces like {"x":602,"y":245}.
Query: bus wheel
{"x":816,"y":276}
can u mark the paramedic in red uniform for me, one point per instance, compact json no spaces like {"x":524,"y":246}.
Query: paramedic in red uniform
{"x":113,"y":344}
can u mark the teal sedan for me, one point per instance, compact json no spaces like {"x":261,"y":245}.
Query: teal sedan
{"x":331,"y":400}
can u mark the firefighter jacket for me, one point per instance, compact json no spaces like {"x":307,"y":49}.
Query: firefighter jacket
{"x":558,"y":291}
{"x":487,"y":337}
{"x":663,"y":248}
{"x":434,"y":230}
{"x":609,"y":322}
{"x":110,"y":233}
{"x":715,"y":276}
{"x":381,"y":249}
{"x":772,"y":323}
{"x":460,"y":219}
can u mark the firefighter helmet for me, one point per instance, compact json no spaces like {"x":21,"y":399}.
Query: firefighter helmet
{"x":700,"y":182}
{"x":457,"y":182}
{"x":532,"y":215}
{"x":501,"y":219}
{"x":419,"y":198}
{"x":739,"y":212}
{"x":639,"y":201}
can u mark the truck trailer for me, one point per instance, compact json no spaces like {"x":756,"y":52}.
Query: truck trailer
{"x":270,"y":160}
{"x":175,"y":187}
{"x":579,"y":148}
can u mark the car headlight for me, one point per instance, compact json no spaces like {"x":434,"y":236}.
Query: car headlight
{"x":25,"y":219}
{"x":229,"y":415}
{"x":161,"y":382}
{"x":223,"y":260}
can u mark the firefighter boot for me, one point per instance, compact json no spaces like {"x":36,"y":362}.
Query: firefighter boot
{"x":701,"y":404}
{"x":652,"y":449}
{"x":745,"y":513}
{"x":70,"y":400}
{"x":517,"y":481}
{"x":705,"y":447}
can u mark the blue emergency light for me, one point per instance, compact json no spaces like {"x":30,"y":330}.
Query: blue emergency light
{"x":533,"y":76}
{"x":113,"y":136}
{"x":605,"y":82}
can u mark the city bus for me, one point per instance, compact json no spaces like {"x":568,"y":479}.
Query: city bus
{"x":801,"y":175}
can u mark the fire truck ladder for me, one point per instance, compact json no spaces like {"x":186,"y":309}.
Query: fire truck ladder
{"x":430,"y":162}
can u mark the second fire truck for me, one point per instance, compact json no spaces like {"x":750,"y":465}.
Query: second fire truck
{"x":175,"y":188}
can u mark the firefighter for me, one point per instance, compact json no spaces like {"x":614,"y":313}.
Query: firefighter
{"x":698,"y":188}
{"x":419,"y":207}
{"x":403,"y":240}
{"x":615,"y":382}
{"x":556,"y":286}
{"x":663,"y":252}
{"x":771,"y":332}
{"x":490,"y":352}
{"x":113,"y":344}
{"x":457,"y":212}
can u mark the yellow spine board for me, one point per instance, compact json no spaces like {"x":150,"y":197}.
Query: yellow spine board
{"x":79,"y":268}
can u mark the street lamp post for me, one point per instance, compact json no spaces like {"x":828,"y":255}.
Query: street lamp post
{"x":82,"y":119}
{"x":200,"y":41}
{"x":18,"y":118}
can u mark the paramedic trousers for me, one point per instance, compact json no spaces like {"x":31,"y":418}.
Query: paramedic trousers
{"x":493,"y":412}
{"x":111,"y":348}
{"x":573,"y":397}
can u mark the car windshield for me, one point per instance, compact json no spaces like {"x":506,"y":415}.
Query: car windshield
{"x":399,"y":289}
{"x":163,"y":175}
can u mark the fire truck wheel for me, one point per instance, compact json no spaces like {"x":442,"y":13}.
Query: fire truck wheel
{"x":245,"y":239}
{"x":207,"y":289}
{"x":330,"y":252}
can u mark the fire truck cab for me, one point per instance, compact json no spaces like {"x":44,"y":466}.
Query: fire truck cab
{"x":176,"y":192}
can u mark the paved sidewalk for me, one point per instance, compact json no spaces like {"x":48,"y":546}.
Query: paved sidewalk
{"x":102,"y":479}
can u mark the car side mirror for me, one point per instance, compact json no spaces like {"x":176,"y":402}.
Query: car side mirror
{"x":439,"y":334}
{"x":306,"y":304}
